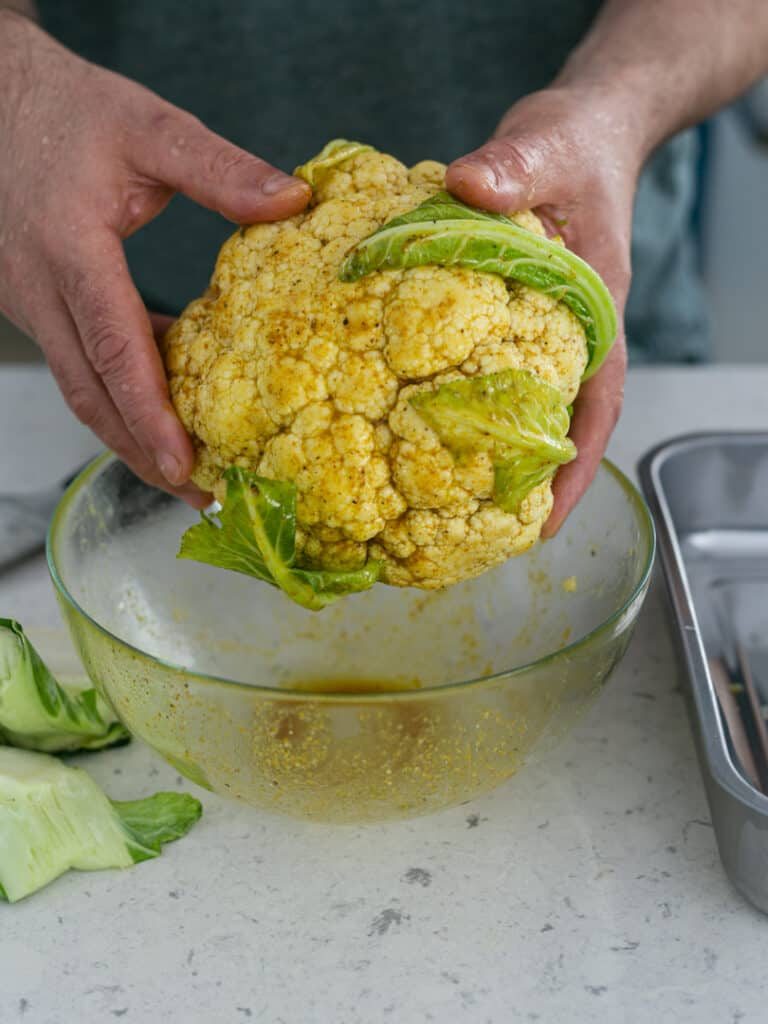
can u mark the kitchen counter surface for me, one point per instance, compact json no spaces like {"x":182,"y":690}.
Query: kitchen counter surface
{"x":587,"y":889}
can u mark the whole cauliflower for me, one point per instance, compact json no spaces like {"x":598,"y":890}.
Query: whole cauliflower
{"x":286,"y":370}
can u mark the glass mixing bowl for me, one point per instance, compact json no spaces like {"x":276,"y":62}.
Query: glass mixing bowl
{"x":254,"y":697}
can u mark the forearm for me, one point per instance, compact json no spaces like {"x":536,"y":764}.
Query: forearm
{"x":671,"y":63}
{"x":26,"y":7}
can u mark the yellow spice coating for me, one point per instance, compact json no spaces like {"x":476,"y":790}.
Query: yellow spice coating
{"x":285,"y":370}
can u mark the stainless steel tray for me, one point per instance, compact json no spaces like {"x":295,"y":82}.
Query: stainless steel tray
{"x":709,"y":497}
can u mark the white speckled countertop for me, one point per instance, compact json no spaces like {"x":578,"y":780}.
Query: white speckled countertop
{"x":587,"y":889}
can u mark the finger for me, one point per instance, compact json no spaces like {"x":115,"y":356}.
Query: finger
{"x":596,"y":413}
{"x":183,"y":153}
{"x":116,"y":337}
{"x":515,"y":172}
{"x":89,"y":401}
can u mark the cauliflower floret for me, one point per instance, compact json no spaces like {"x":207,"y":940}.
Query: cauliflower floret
{"x":284,"y":369}
{"x":433,"y":319}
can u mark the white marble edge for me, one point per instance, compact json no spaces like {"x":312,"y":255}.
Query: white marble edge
{"x":588,"y":889}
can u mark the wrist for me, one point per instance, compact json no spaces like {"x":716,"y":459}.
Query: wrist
{"x":621,"y":103}
{"x":640,"y":85}
{"x":606,"y":117}
{"x":27,"y":8}
{"x":18,"y":43}
{"x":15,"y":25}
{"x":11,"y":15}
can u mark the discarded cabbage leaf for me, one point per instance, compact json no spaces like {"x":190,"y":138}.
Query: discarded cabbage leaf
{"x":255,"y":534}
{"x":444,"y":231}
{"x":38,"y":713}
{"x":515,"y":416}
{"x":53,"y":818}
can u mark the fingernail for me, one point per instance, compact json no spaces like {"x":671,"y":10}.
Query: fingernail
{"x":281,"y":183}
{"x":479,"y":173}
{"x":170,"y":467}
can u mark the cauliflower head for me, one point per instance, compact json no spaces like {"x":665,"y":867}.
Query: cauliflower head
{"x":284,"y":369}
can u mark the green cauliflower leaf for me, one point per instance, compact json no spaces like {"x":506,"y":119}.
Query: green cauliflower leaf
{"x":446,"y":232}
{"x":255,"y":534}
{"x":330,"y":156}
{"x":38,"y":713}
{"x":519,"y":419}
{"x":53,"y":818}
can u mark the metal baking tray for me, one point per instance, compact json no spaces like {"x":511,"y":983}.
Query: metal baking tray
{"x":709,"y":496}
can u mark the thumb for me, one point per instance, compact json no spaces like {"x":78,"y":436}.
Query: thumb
{"x":191,"y":159}
{"x":516,"y":171}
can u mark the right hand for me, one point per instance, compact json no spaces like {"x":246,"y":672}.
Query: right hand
{"x":573,"y":155}
{"x":87,"y":158}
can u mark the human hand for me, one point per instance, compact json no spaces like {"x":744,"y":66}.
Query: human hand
{"x":89,"y":157}
{"x":574,"y":156}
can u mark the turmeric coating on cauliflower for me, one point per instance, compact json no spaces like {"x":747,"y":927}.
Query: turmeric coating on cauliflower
{"x":285,"y":370}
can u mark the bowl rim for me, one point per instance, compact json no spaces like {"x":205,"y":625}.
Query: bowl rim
{"x":644,"y":518}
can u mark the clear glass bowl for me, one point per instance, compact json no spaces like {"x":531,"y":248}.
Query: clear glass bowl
{"x":251,"y":696}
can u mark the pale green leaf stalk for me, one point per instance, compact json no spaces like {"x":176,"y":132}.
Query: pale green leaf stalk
{"x":515,"y":416}
{"x":448,"y":233}
{"x":255,"y":534}
{"x":330,"y":156}
{"x":53,"y":818}
{"x":38,"y":713}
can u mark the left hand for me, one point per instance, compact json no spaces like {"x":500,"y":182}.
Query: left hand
{"x":574,"y":156}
